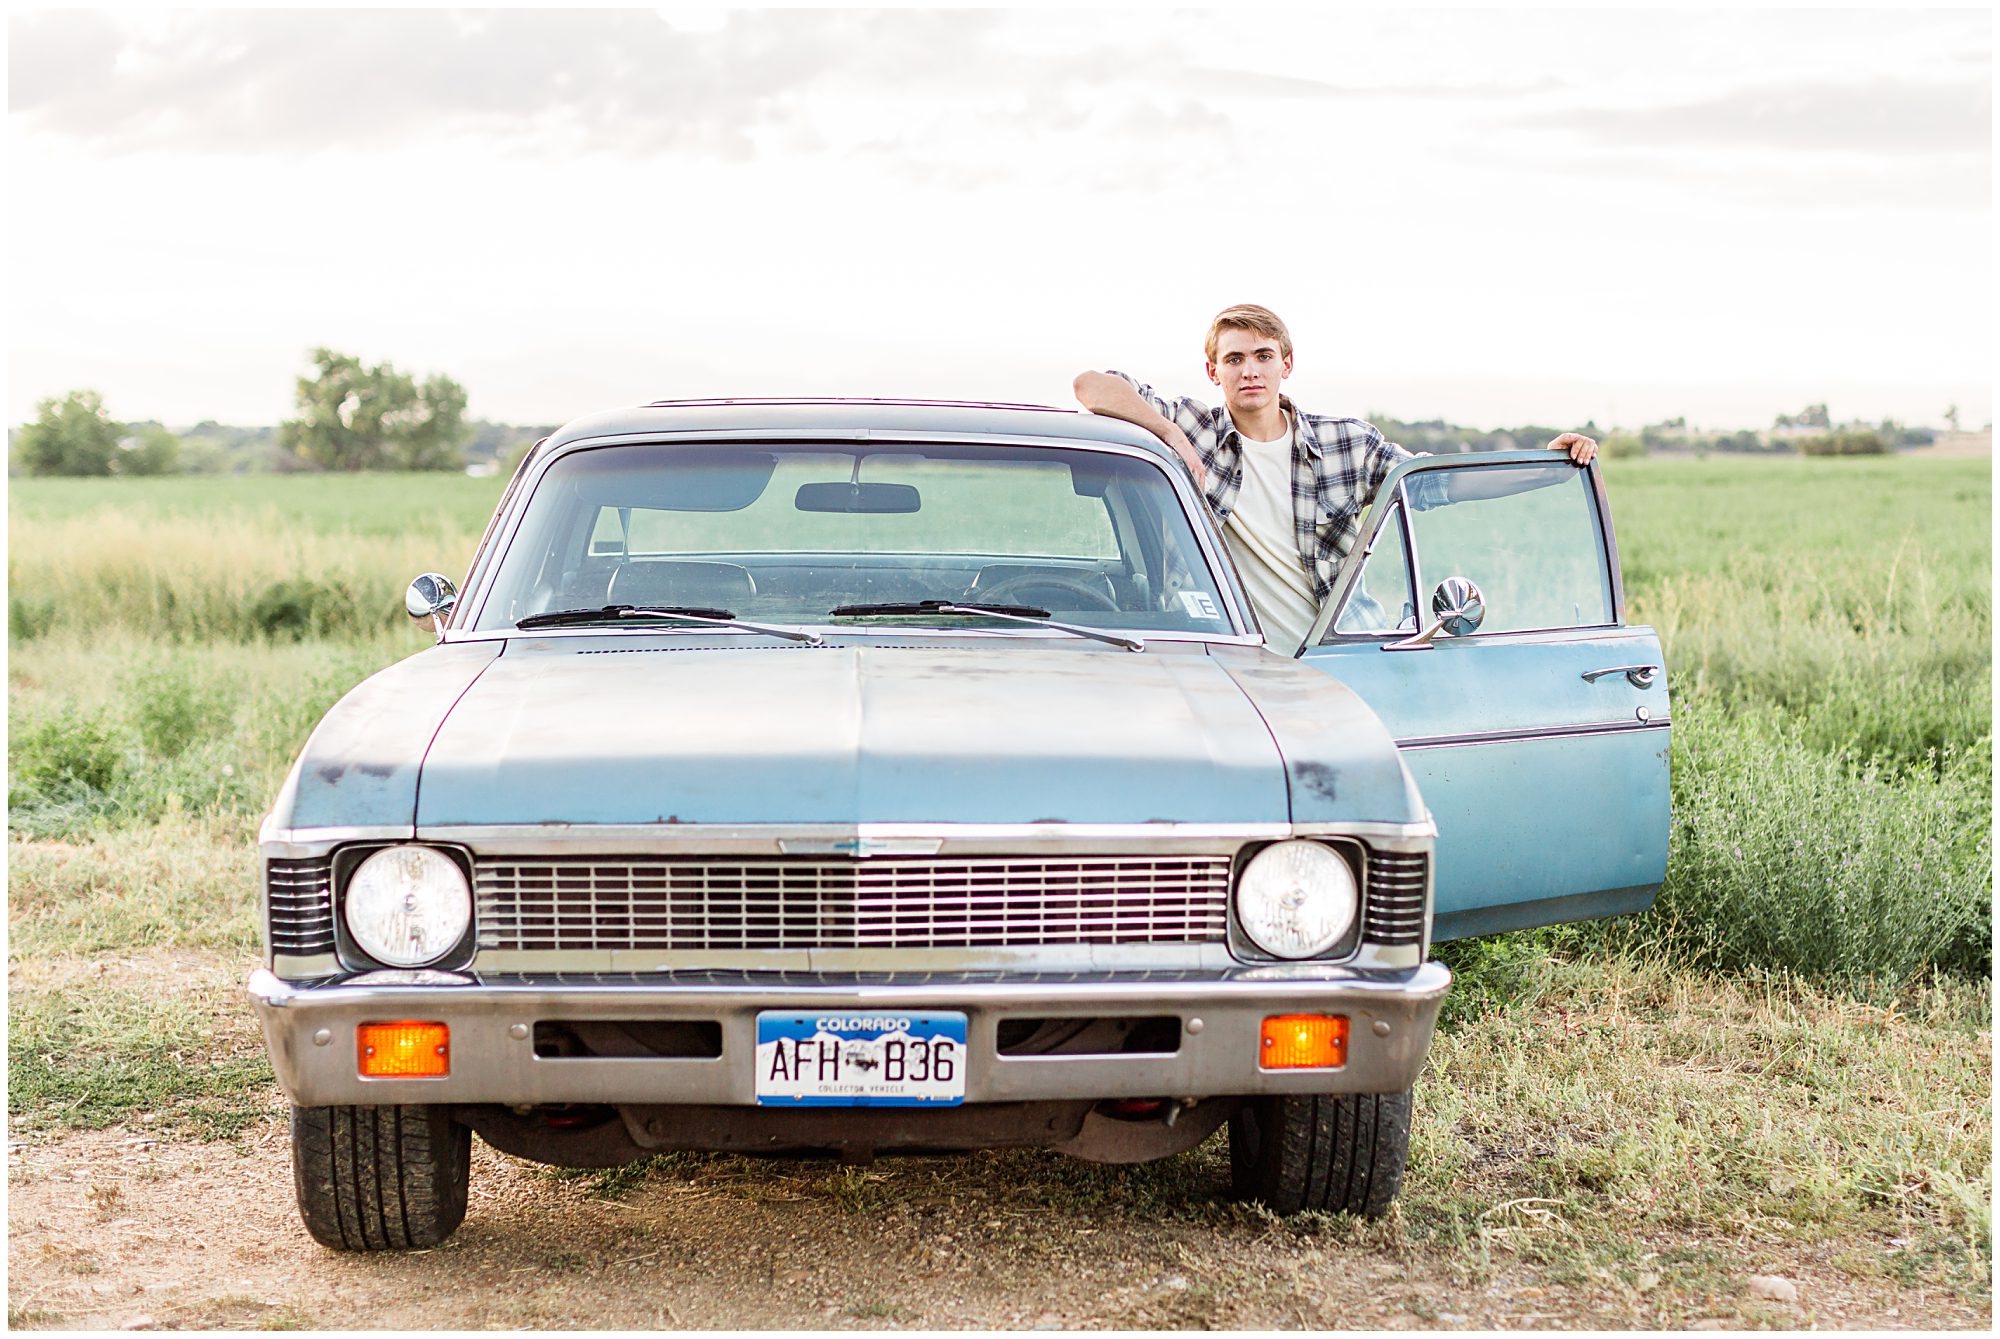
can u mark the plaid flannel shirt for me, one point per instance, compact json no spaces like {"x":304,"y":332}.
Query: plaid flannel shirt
{"x":1337,"y":464}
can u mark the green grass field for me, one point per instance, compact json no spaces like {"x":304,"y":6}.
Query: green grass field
{"x":1797,"y":1035}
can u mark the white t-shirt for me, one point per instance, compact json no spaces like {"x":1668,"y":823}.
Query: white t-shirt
{"x":1263,"y":540}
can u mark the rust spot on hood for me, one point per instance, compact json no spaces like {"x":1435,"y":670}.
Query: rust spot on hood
{"x":1316,"y":777}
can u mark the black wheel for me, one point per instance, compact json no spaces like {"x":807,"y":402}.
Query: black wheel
{"x":380,"y":1178}
{"x":1341,"y":1153}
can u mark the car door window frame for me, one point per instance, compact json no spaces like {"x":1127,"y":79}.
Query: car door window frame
{"x":1393,"y":498}
{"x":1397,"y":506}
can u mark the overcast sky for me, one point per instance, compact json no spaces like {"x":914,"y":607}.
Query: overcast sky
{"x":1494,"y":216}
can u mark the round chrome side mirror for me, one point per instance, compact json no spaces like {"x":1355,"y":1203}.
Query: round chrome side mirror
{"x":1459,"y":606}
{"x":431,"y":596}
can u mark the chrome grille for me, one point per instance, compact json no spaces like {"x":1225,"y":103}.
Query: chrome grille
{"x":298,"y":899}
{"x":885,"y":902}
{"x":1395,"y":906}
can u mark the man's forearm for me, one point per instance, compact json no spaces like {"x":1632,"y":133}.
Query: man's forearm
{"x":1102,"y":393}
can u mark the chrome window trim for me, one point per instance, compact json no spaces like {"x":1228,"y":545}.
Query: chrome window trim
{"x":1193,"y":506}
{"x":494,"y":525}
{"x":1324,"y":622}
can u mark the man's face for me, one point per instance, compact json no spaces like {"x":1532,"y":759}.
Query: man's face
{"x":1249,"y":369}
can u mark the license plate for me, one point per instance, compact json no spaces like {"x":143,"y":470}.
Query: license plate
{"x":860,"y":1059}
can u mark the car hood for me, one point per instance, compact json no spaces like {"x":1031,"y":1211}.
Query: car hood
{"x":587,"y":730}
{"x":643,"y":730}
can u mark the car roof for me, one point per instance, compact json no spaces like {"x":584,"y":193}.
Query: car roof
{"x":802,"y":416}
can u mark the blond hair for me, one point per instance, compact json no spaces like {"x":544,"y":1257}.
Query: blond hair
{"x":1257,"y":320}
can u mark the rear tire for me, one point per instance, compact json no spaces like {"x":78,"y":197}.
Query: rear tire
{"x":380,"y":1178}
{"x":1339,"y":1153}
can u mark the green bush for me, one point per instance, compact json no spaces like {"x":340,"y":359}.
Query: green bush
{"x":1623,"y":446}
{"x":1844,"y":442}
{"x":63,"y":754}
{"x":174,"y":707}
{"x":29,"y":617}
{"x":1856,"y":871}
{"x":301,"y":607}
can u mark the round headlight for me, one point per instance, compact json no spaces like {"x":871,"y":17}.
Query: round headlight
{"x":1296,"y":899}
{"x":408,"y":905}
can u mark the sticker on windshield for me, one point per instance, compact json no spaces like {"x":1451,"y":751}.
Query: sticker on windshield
{"x":1198,"y":605}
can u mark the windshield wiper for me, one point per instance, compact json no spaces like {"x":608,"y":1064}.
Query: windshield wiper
{"x":940,"y":607}
{"x":1013,"y":613}
{"x":613,"y":613}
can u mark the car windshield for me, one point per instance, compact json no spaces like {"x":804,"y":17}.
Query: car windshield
{"x":789,"y":534}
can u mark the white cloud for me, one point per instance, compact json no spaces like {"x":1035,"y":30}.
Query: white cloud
{"x":565,"y":209}
{"x":1876,"y":116}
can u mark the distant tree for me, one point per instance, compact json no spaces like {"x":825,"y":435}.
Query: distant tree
{"x":1623,"y":445}
{"x":203,"y":455}
{"x":374,"y":418}
{"x":154,"y":451}
{"x":1951,"y":416}
{"x":1898,"y":435}
{"x":1844,"y":442}
{"x":72,"y":435}
{"x":1812,"y":416}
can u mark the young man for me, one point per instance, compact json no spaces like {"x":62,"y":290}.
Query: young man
{"x":1290,"y":488}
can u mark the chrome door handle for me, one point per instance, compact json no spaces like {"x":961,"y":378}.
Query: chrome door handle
{"x":1639,"y":676}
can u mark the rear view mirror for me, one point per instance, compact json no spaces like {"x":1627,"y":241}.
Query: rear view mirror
{"x":1089,"y":480}
{"x":858,"y":497}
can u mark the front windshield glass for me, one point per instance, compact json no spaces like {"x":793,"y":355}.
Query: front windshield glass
{"x":786,"y":534}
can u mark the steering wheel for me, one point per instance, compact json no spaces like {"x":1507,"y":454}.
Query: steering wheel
{"x":1009,"y":590}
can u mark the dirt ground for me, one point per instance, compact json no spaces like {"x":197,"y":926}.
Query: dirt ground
{"x":117,"y":1230}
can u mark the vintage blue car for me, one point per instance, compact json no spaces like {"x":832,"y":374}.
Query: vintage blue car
{"x":847,"y":777}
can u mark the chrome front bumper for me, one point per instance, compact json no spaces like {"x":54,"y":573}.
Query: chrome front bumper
{"x":311,"y":1034}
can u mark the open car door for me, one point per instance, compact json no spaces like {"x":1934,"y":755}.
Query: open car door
{"x":1534,"y":721}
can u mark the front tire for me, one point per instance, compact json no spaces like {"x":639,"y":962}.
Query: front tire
{"x":380,"y":1178}
{"x":1339,"y":1153}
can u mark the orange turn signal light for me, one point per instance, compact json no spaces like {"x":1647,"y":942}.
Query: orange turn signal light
{"x":1303,"y":1041}
{"x":405,"y":1050}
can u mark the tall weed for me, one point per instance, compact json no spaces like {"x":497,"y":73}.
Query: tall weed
{"x":173,"y":705}
{"x":1852,"y":596}
{"x":209,"y":730}
{"x":1852,"y":870}
{"x":68,"y":753}
{"x":241,"y":578}
{"x":1864,"y":874}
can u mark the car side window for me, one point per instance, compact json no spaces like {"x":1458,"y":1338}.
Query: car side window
{"x":1525,"y":534}
{"x":1380,"y":599}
